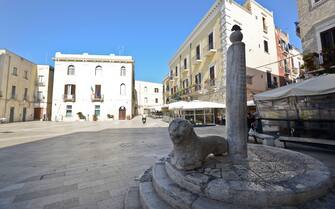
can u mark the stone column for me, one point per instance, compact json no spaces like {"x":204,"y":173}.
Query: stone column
{"x":236,"y":97}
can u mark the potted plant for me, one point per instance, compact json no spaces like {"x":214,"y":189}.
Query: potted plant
{"x":81,"y":116}
{"x":95,"y":117}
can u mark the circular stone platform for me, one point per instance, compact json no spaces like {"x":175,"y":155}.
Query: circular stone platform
{"x":269,"y":177}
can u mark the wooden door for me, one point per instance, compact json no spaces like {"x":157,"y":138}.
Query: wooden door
{"x":37,"y":113}
{"x":122,"y":113}
{"x":11,"y":115}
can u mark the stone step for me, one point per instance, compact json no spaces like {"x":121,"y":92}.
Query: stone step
{"x":132,"y":199}
{"x":149,"y":198}
{"x":181,"y":198}
{"x":169,"y":191}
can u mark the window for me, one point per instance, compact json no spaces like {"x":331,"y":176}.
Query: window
{"x":212,"y":76}
{"x":185,"y":84}
{"x":145,"y":99}
{"x":97,"y":110}
{"x":176,"y":71}
{"x":123,"y":89}
{"x":156,"y":100}
{"x":171,"y":90}
{"x":41,"y":80}
{"x":249,"y":80}
{"x":123,"y":71}
{"x":97,"y":92}
{"x":39,"y":96}
{"x":171,"y":73}
{"x":145,"y":89}
{"x":316,"y":2}
{"x":70,"y":89}
{"x":269,"y":79}
{"x":25,"y":76}
{"x":14,"y":72}
{"x":185,"y":63}
{"x":211,"y":41}
{"x":25,"y":94}
{"x":265,"y":27}
{"x":198,"y":54}
{"x":266,"y":46}
{"x":198,"y":82}
{"x":98,"y":71}
{"x":156,"y":90}
{"x":69,"y":93}
{"x":71,"y":70}
{"x":328,"y":39}
{"x":13,"y":92}
{"x":68,"y":111}
{"x":167,"y":88}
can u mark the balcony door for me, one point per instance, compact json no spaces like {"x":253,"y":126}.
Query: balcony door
{"x":97,"y":91}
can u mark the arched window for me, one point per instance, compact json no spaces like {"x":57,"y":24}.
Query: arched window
{"x":145,"y":89}
{"x":70,"y":70}
{"x":145,"y":99}
{"x":98,"y":70}
{"x":123,"y":71}
{"x":123,"y":89}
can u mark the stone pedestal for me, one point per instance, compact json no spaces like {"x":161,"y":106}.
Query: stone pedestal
{"x":269,"y":178}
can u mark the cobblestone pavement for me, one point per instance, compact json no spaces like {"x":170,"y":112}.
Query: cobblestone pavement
{"x":84,"y":169}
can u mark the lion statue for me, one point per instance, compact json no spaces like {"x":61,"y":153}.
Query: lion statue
{"x":190,"y":151}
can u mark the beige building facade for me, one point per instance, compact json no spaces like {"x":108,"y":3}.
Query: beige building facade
{"x":197,"y":71}
{"x":43,"y":94}
{"x":17,"y":87}
{"x":316,"y":26}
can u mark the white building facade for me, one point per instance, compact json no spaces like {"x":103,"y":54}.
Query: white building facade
{"x":149,"y":96}
{"x":92,"y":87}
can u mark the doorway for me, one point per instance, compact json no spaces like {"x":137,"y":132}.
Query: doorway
{"x":37,"y":113}
{"x":24,"y":114}
{"x":122,"y":113}
{"x":11,"y":115}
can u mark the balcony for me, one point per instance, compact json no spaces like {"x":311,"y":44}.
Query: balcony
{"x":318,"y":63}
{"x":97,"y":98}
{"x":196,"y":60}
{"x":25,"y":97}
{"x":40,"y":83}
{"x":69,"y":98}
{"x":13,"y":96}
{"x":265,"y":29}
{"x":209,"y":50}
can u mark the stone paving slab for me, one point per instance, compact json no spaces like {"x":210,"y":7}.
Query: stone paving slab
{"x":98,"y":162}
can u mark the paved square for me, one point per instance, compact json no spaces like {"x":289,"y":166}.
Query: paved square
{"x":77,"y":167}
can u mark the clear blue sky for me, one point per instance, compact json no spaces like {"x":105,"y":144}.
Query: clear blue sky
{"x":149,"y":30}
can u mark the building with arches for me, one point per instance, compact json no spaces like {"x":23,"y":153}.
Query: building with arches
{"x":90,"y":87}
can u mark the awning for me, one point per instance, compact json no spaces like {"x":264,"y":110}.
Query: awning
{"x":196,"y":104}
{"x":250,"y":103}
{"x":324,"y":84}
{"x":177,"y":105}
